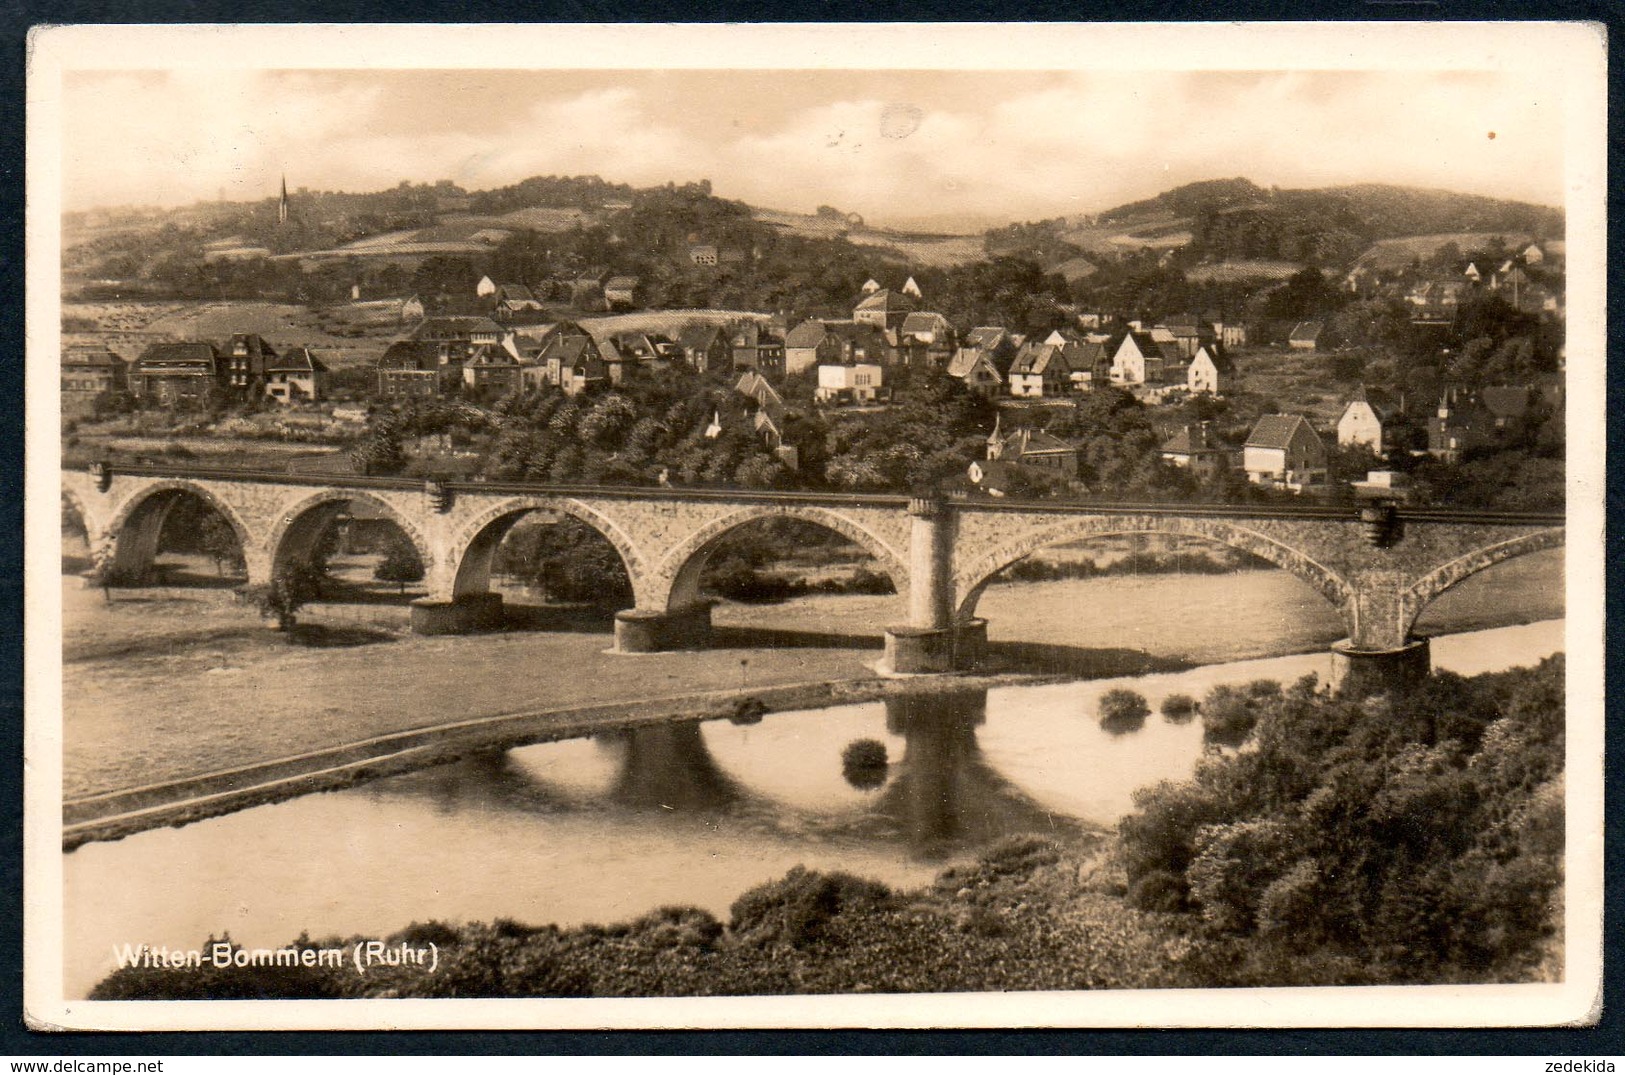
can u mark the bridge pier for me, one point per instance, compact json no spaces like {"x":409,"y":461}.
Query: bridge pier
{"x":642,"y":630}
{"x":1358,"y":672}
{"x":463,"y":614}
{"x":931,"y":642}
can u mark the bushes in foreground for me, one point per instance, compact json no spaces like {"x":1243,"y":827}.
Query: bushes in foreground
{"x":1386,"y":840}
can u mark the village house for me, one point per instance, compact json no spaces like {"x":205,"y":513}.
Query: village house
{"x":855,"y":381}
{"x":1033,"y":448}
{"x":621,"y":292}
{"x":1211,"y":372}
{"x":243,"y":362}
{"x":991,"y":341}
{"x":973,"y":366}
{"x":818,"y":343}
{"x":456,"y":334}
{"x":1091,"y":365}
{"x":1197,"y":448}
{"x":1041,"y":370}
{"x":702,"y":254}
{"x":416,"y":369}
{"x":926,"y":340}
{"x":515,"y":301}
{"x":412,"y":310}
{"x":296,"y":377}
{"x":1368,"y":419}
{"x":1229,"y":334}
{"x":1284,"y":452}
{"x":88,"y":373}
{"x":492,"y":371}
{"x":1467,"y":421}
{"x":757,"y":347}
{"x":1188,"y":332}
{"x":768,"y":410}
{"x":170,"y":373}
{"x":572,"y":362}
{"x":1306,"y":335}
{"x":885,"y":310}
{"x":1140,"y":360}
{"x":707,"y":348}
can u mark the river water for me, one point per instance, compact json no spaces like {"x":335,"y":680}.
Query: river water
{"x":606,"y":829}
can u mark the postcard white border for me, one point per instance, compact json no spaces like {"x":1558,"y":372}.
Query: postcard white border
{"x":1573,"y":53}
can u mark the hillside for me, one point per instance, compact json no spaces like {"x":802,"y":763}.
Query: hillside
{"x":1236,"y":221}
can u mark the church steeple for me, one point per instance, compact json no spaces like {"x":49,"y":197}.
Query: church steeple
{"x":282,"y":203}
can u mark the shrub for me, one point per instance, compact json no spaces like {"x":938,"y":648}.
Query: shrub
{"x":797,"y":909}
{"x":1230,"y":713}
{"x":1122,"y":710}
{"x":1179,"y":707}
{"x":677,"y":927}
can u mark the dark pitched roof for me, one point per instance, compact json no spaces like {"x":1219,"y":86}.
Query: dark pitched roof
{"x":192,"y":352}
{"x":454,"y":327}
{"x":699,"y":336}
{"x":985,"y":336}
{"x":1035,"y":358}
{"x":806,"y":334}
{"x":886,"y":300}
{"x":924,"y":321}
{"x":92,"y":356}
{"x":1194,"y":440}
{"x":1380,"y":400}
{"x":1277,"y":430}
{"x":965,"y":360}
{"x":409,"y":355}
{"x":298,"y":360}
{"x":515,"y":293}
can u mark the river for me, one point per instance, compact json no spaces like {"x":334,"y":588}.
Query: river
{"x":607,"y":829}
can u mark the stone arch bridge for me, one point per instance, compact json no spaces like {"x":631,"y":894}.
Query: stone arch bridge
{"x":1379,"y":566}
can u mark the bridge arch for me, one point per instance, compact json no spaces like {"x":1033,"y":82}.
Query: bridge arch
{"x":1421,"y":593}
{"x":973,"y":579}
{"x":133,"y":531}
{"x":299,"y":526}
{"x":475,"y":544}
{"x":677,"y":581}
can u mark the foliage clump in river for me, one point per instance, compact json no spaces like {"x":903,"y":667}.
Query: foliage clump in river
{"x":1344,"y":841}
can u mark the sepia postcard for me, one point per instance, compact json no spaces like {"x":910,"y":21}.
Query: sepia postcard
{"x":931,"y":525}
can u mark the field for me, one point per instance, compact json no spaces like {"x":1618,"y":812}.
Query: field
{"x":1241,"y":270}
{"x":937,"y":251}
{"x":1399,"y":253}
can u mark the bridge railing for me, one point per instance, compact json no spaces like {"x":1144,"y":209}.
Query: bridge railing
{"x":757,"y":496}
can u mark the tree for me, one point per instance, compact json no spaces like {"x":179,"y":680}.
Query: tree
{"x":290,"y":590}
{"x":219,"y":541}
{"x":400,"y":564}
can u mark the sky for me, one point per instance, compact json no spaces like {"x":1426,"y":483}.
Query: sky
{"x":904,"y":145}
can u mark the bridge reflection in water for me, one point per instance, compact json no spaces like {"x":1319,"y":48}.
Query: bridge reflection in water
{"x":940,"y":795}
